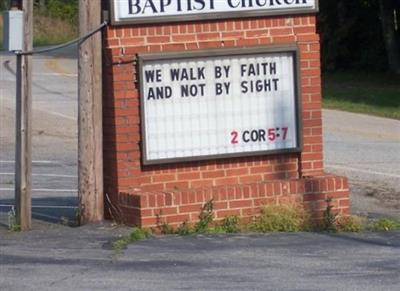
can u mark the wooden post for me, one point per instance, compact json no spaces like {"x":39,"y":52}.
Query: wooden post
{"x":90,"y":148}
{"x":23,"y":147}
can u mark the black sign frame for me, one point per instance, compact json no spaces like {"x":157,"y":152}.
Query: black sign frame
{"x":292,"y":48}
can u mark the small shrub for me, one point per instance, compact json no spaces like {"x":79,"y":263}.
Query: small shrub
{"x":281,"y":218}
{"x":165,"y":228}
{"x":215,"y":229}
{"x":206,"y":217}
{"x":12,"y":220}
{"x":135,"y":235}
{"x":329,"y":222}
{"x":184,"y":229}
{"x":139,"y":234}
{"x":349,"y":224}
{"x":230,"y":224}
{"x":120,"y":244}
{"x":384,"y":224}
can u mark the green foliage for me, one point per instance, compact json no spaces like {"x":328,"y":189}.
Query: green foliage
{"x":215,"y":229}
{"x":55,"y":21}
{"x":165,"y":228}
{"x":184,"y":229}
{"x":384,"y":224}
{"x":205,"y":218}
{"x":135,"y":235}
{"x":120,"y":244}
{"x":4,"y":5}
{"x":377,"y":94}
{"x":281,"y":218}
{"x":329,"y":221}
{"x":12,"y":220}
{"x":66,"y":10}
{"x":349,"y":224}
{"x":139,"y":234}
{"x":206,"y":224}
{"x":351,"y":35}
{"x":231,"y":224}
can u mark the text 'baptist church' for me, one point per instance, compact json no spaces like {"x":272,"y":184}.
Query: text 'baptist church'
{"x":162,"y":6}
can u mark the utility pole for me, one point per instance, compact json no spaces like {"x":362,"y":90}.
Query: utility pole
{"x":90,"y":132}
{"x":23,"y":151}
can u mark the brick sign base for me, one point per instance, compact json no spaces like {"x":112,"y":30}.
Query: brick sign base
{"x":142,"y":195}
{"x":151,"y":209}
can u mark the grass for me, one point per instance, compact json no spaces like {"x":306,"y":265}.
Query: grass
{"x":47,"y":31}
{"x":50,"y":31}
{"x":384,"y":224}
{"x":350,"y":224}
{"x":281,"y":218}
{"x":12,"y":221}
{"x":273,"y":218}
{"x":370,"y":93}
{"x":135,"y":235}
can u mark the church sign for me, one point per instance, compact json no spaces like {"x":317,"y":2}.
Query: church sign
{"x":219,"y":103}
{"x":150,"y":11}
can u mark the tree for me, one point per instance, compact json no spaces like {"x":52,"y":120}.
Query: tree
{"x":389,"y":10}
{"x":351,"y":35}
{"x":4,"y":5}
{"x":360,"y":34}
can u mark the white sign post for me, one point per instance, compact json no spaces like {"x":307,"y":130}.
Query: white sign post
{"x":142,"y":11}
{"x":219,"y":103}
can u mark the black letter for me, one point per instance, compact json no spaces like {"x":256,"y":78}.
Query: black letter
{"x":231,"y":5}
{"x":175,"y":74}
{"x":163,"y":4}
{"x":246,"y":140}
{"x":131,"y":5}
{"x":218,"y":72}
{"x":149,"y":3}
{"x":149,"y":75}
{"x":244,"y":87}
{"x":201,"y":2}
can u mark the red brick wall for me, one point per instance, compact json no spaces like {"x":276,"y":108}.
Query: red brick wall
{"x":122,"y":168}
{"x":151,"y":209}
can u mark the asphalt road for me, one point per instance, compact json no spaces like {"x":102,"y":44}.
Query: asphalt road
{"x":364,"y":148}
{"x":367,"y":150}
{"x":54,"y":135}
{"x":63,"y":258}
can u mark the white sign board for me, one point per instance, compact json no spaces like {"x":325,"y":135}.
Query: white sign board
{"x":141,"y":11}
{"x":216,"y":104}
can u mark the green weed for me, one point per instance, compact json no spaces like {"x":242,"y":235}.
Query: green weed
{"x":139,"y":234}
{"x":206,"y":224}
{"x":120,"y":244}
{"x":206,"y":217}
{"x":12,"y":220}
{"x":350,"y":223}
{"x":165,"y":228}
{"x":231,"y":224}
{"x":281,"y":218}
{"x":135,"y":235}
{"x":184,"y":229}
{"x":329,"y":221}
{"x":384,"y":224}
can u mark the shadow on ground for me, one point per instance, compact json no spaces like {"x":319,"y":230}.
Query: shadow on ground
{"x":48,"y":209}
